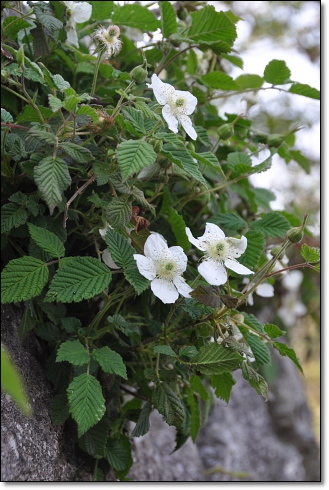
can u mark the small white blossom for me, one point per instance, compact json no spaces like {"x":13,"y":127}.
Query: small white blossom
{"x":164,"y":267}
{"x":78,"y":12}
{"x":108,"y":38}
{"x":220,"y":252}
{"x":178,"y":105}
{"x":265,"y":290}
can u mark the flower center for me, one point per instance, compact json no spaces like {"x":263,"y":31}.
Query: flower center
{"x":218,"y":250}
{"x":166,"y":269}
{"x":180,"y":102}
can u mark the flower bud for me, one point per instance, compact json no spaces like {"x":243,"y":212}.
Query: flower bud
{"x":190,"y":146}
{"x":182,"y":13}
{"x":139,"y":74}
{"x":164,"y":163}
{"x":295,"y":235}
{"x":225,"y":131}
{"x":163,"y":178}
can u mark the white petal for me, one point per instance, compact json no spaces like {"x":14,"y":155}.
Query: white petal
{"x":162,"y":91}
{"x":170,"y":119}
{"x":107,"y":259}
{"x":183,"y":288}
{"x":180,"y":256}
{"x":81,"y":11}
{"x":154,"y":246}
{"x":187,"y":125}
{"x":265,"y":290}
{"x":71,"y":36}
{"x":145,"y":266}
{"x":212,"y":229}
{"x":235,"y":266}
{"x":213,"y":272}
{"x":237,"y":246}
{"x":250,"y":300}
{"x":164,"y":290}
{"x":190,"y":99}
{"x":195,"y":241}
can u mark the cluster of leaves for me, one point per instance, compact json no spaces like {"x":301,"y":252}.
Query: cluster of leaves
{"x":74,"y":161}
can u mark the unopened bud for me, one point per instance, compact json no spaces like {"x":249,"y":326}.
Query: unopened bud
{"x":225,"y":131}
{"x":138,"y":74}
{"x":164,"y":163}
{"x":182,"y":13}
{"x":295,"y":235}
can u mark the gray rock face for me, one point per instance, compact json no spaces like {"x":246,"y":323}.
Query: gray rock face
{"x":268,"y":442}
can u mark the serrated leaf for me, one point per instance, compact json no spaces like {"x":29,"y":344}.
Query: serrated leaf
{"x":223,"y":384}
{"x":86,"y":110}
{"x":164,"y":349}
{"x":195,"y":420}
{"x":277,"y":72}
{"x":143,"y":422}
{"x":86,"y":401}
{"x":209,"y":159}
{"x":203,"y":136}
{"x":289,"y":352}
{"x":274,"y":224}
{"x":55,"y":103}
{"x":135,"y":15}
{"x":256,"y":244}
{"x":253,"y":322}
{"x":59,"y":409}
{"x":78,"y":278}
{"x":12,"y":216}
{"x":188,"y":351}
{"x":134,"y":155}
{"x":23,"y":279}
{"x":118,"y":453}
{"x":219,"y":80}
{"x":301,"y":159}
{"x":102,"y":10}
{"x":119,"y":212}
{"x":273,"y":331}
{"x":136,"y":118}
{"x":306,"y":90}
{"x":74,"y":352}
{"x":110,"y":361}
{"x":259,"y":349}
{"x":249,"y":81}
{"x":255,"y":380}
{"x":93,"y":441}
{"x":78,"y":153}
{"x":207,"y":295}
{"x":6,"y":116}
{"x":310,"y":254}
{"x":168,"y":19}
{"x":52,"y":178}
{"x":183,"y":159}
{"x":48,"y":332}
{"x":197,"y":385}
{"x":12,"y":25}
{"x":216,"y":359}
{"x":29,"y":114}
{"x":237,"y":158}
{"x":47,"y":240}
{"x":230,"y":221}
{"x":168,"y":404}
{"x":60,"y":83}
{"x":211,"y":27}
{"x":71,"y":324}
{"x":178,"y":226}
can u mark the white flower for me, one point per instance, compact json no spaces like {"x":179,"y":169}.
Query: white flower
{"x":78,"y":12}
{"x":109,"y":40}
{"x":220,"y":252}
{"x":265,"y":290}
{"x":164,"y":266}
{"x":178,"y":105}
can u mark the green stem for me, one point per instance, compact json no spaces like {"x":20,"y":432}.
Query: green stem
{"x":98,"y":64}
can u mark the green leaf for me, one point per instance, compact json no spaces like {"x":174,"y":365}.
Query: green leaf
{"x":249,"y":81}
{"x":259,"y":349}
{"x":183,"y":159}
{"x":12,"y":25}
{"x":74,"y":352}
{"x":237,"y":158}
{"x":310,"y":254}
{"x":255,"y":248}
{"x":219,"y":80}
{"x":60,"y":83}
{"x":168,"y":404}
{"x":273,"y":331}
{"x":123,"y":255}
{"x":143,"y":422}
{"x":164,"y":349}
{"x":211,"y":27}
{"x":12,"y":216}
{"x":23,"y":279}
{"x":86,"y":401}
{"x":301,"y":159}
{"x":195,"y":414}
{"x":43,"y":136}
{"x":306,"y":90}
{"x":52,"y":178}
{"x":208,"y":159}
{"x":134,"y":155}
{"x":135,"y":15}
{"x":188,"y":351}
{"x":277,"y":72}
{"x":168,"y":19}
{"x":48,"y":332}
{"x":229,"y":221}
{"x":136,"y":117}
{"x":59,"y":409}
{"x":197,"y":385}
{"x":223,"y":384}
{"x":93,"y":441}
{"x":47,"y":240}
{"x":102,"y":10}
{"x":253,"y":322}
{"x":110,"y":361}
{"x":55,"y":103}
{"x":289,"y":352}
{"x":6,"y":116}
{"x":78,"y":153}
{"x":78,"y":278}
{"x":118,"y":453}
{"x":207,"y":295}
{"x":29,"y":114}
{"x":12,"y":382}
{"x":71,"y":324}
{"x":263,"y":197}
{"x":86,"y":110}
{"x":119,"y":212}
{"x":255,"y":380}
{"x":216,"y":359}
{"x":274,"y":224}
